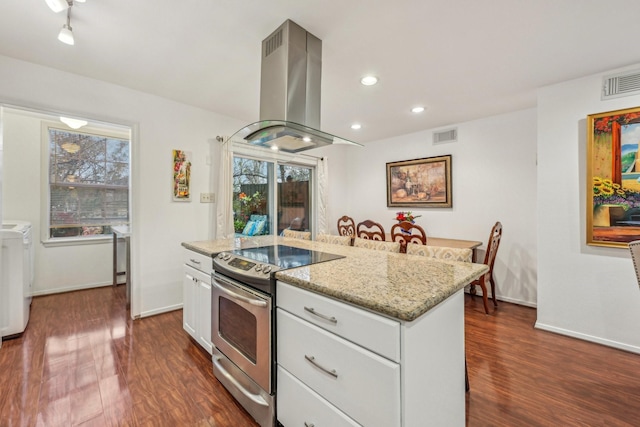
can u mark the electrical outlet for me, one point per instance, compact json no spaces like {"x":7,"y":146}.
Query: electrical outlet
{"x":207,"y":197}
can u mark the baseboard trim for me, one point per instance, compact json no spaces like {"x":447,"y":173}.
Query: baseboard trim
{"x":505,"y":299}
{"x":586,"y":337}
{"x":70,"y":289}
{"x":161,"y":310}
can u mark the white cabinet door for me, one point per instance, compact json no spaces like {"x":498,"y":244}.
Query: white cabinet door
{"x":204,"y":315}
{"x":374,"y":332}
{"x":298,"y":405}
{"x":189,"y":301}
{"x":359,"y":382}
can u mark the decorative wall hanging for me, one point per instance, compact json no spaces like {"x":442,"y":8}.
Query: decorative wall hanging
{"x":181,"y":176}
{"x":613,"y":178}
{"x":420,"y":183}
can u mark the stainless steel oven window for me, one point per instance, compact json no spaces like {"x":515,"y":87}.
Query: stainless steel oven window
{"x":238,"y":327}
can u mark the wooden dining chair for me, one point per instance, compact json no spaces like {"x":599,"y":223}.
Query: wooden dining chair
{"x":489,"y":259}
{"x":406,"y":232}
{"x":634,"y":248}
{"x":371,"y":230}
{"x":346,"y":226}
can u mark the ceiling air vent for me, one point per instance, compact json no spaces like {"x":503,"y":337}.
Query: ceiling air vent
{"x":624,"y":84}
{"x":449,"y":135}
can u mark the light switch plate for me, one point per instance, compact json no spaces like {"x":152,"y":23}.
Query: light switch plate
{"x":207,"y":197}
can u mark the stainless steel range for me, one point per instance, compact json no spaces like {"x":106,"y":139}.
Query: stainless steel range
{"x":242,"y":321}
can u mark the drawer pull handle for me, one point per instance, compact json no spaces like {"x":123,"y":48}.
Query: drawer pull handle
{"x":194,"y":261}
{"x":306,"y":424}
{"x":331,"y":372}
{"x":322,"y":316}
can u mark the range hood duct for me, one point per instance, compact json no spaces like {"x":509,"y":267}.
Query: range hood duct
{"x":289,"y":94}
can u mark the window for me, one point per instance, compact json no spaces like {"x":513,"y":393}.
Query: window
{"x":264,"y":191}
{"x":88,"y":182}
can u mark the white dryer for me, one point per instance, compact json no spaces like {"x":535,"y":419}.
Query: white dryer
{"x":16,"y":279}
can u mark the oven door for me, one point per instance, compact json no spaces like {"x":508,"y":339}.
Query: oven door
{"x":241,"y":327}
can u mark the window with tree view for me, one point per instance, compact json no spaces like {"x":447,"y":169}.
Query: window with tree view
{"x":88,"y":183}
{"x":258,"y":184}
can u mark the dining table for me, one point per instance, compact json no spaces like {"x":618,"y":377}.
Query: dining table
{"x":449,"y":243}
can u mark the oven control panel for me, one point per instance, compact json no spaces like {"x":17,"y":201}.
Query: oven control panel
{"x":241,"y":266}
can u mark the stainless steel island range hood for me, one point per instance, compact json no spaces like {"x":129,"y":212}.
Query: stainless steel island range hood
{"x":289,"y":94}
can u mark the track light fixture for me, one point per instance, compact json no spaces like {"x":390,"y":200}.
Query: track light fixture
{"x":66,"y":33}
{"x":57,"y":5}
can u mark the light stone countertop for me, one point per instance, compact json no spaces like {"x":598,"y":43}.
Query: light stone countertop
{"x":395,"y":285}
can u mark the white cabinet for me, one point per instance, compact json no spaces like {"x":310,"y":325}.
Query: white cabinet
{"x":339,"y":365}
{"x":196,"y":310}
{"x":326,"y":346}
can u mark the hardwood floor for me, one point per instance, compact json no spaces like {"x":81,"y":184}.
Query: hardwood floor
{"x":81,"y":362}
{"x":521,"y":376}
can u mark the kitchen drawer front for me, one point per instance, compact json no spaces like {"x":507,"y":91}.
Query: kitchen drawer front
{"x":198,"y":261}
{"x":363,"y":385}
{"x":379,"y":334}
{"x":298,"y":405}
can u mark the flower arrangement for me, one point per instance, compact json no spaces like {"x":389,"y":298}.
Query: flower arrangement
{"x":252,"y":203}
{"x":406,"y":216}
{"x":245,"y":206}
{"x":606,"y":192}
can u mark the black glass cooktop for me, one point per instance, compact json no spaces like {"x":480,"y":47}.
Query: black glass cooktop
{"x":285,"y":256}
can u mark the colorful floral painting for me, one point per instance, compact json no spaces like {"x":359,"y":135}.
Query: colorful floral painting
{"x":613,"y":178}
{"x":181,"y":175}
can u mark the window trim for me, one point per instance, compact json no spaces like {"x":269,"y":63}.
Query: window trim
{"x":111,"y":131}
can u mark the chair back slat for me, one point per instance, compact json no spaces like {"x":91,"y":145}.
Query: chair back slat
{"x":406,"y":232}
{"x":492,"y":245}
{"x":346,"y":226}
{"x":371,"y":230}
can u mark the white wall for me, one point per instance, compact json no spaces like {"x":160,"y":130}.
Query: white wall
{"x":494,"y":179}
{"x":160,"y":225}
{"x":584,"y":291}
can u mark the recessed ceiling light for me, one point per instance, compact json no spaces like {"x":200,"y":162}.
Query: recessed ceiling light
{"x":417,"y":109}
{"x":369,"y":80}
{"x":274,"y":147}
{"x":356,"y":126}
{"x":306,"y":139}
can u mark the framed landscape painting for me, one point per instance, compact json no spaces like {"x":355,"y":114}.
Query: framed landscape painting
{"x":613,"y":178}
{"x":420,"y":183}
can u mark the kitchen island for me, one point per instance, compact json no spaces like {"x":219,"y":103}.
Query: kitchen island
{"x":394,"y":341}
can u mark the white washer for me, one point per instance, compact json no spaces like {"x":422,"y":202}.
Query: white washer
{"x":16,"y":277}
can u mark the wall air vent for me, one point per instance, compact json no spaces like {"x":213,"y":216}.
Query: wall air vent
{"x":449,"y":135}
{"x":623,"y":84}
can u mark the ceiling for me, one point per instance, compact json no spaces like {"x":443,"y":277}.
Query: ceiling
{"x":461,"y":59}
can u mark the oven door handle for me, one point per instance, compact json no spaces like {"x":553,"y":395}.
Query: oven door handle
{"x":254,"y":397}
{"x":253,"y":301}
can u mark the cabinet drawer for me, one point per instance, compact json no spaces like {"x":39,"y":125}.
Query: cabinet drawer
{"x":198,"y":261}
{"x":376,"y":333}
{"x":360,"y":383}
{"x":298,"y":405}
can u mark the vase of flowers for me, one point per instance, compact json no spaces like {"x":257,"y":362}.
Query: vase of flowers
{"x":406,"y":216}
